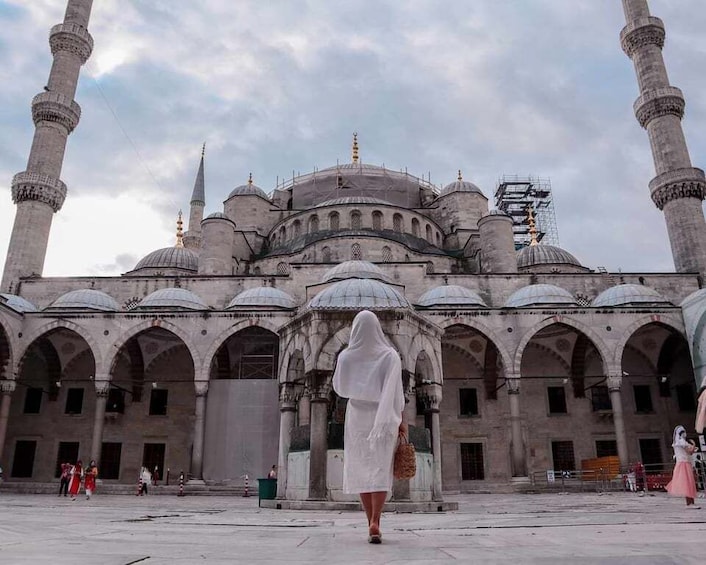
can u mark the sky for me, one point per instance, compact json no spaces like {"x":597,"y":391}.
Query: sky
{"x":491,"y":87}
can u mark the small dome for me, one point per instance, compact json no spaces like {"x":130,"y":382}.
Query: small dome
{"x":17,"y":303}
{"x":450,"y":295}
{"x":460,"y":186}
{"x":540,"y":295}
{"x":353,"y":200}
{"x":358,"y":294}
{"x":85,"y":299}
{"x":542,"y":254}
{"x":217,"y":216}
{"x":263,"y":296}
{"x":172,"y":298}
{"x":170,"y":258}
{"x":628,"y":294}
{"x":498,"y":212}
{"x":248,"y":189}
{"x":355,"y":269}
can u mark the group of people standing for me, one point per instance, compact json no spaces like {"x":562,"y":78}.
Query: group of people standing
{"x":73,"y":475}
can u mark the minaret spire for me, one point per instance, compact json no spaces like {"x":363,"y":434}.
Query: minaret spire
{"x":532,"y":226}
{"x":678,"y":188}
{"x":355,"y":148}
{"x":192,"y":238}
{"x":180,"y":231}
{"x":38,"y":191}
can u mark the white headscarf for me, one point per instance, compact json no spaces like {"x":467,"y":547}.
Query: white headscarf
{"x":676,"y":440}
{"x":370,"y":369}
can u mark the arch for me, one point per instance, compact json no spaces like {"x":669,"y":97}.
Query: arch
{"x":7,"y":347}
{"x":596,"y":340}
{"x":398,"y":223}
{"x":326,"y":254}
{"x":282,"y":234}
{"x":356,"y":220}
{"x":378,"y":223}
{"x":485,"y":331}
{"x":424,"y":369}
{"x":670,"y":322}
{"x":334,"y":221}
{"x":386,"y":254}
{"x":296,"y":228}
{"x":429,"y":236}
{"x":415,"y":227}
{"x":295,"y":367}
{"x":313,"y":224}
{"x":422,"y":342}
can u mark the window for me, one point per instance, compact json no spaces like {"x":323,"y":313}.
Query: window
{"x":377,"y":221}
{"x":282,"y":268}
{"x":158,"y":402}
{"x":650,"y":452}
{"x":116,"y":401}
{"x":438,"y":239}
{"x":643,"y":399}
{"x":74,"y":401}
{"x":430,"y":268}
{"x":297,"y":227}
{"x":472,"y":467}
{"x":68,"y":453}
{"x":313,"y":224}
{"x":397,"y":223}
{"x":356,"y":222}
{"x":563,"y":455}
{"x":326,"y":254}
{"x":600,"y":398}
{"x":23,"y":461}
{"x":468,"y":402}
{"x":606,"y":447}
{"x":153,"y":456}
{"x":557,"y":399}
{"x":33,"y":400}
{"x":686,"y":398}
{"x":429,"y":235}
{"x":258,"y":350}
{"x":356,"y":253}
{"x":282,"y":234}
{"x":415,"y":227}
{"x":386,"y":254}
{"x":110,"y":460}
{"x":333,"y":220}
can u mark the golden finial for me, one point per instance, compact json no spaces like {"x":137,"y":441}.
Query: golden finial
{"x":180,"y":234}
{"x":250,"y":180}
{"x":460,"y":176}
{"x":532,"y":226}
{"x":355,"y":147}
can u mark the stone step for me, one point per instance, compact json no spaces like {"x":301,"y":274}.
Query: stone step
{"x":25,"y":487}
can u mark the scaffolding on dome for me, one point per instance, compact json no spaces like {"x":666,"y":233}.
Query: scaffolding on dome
{"x":514,"y":195}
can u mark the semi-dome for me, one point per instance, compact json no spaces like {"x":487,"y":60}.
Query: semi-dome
{"x":540,"y":295}
{"x":450,"y":295}
{"x":542,"y":254}
{"x":263,"y":296}
{"x":173,"y":298}
{"x":359,"y":294}
{"x":352,"y":200}
{"x":628,"y":294}
{"x":355,"y":269}
{"x":17,"y":303}
{"x":170,"y":258}
{"x":85,"y":299}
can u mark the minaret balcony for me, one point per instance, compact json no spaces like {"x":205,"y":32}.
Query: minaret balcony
{"x":640,"y":33}
{"x":659,"y":102}
{"x":73,"y":38}
{"x":680,"y":183}
{"x":38,"y":187}
{"x":55,"y":107}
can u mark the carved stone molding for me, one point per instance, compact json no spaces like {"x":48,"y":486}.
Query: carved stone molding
{"x":39,"y":187}
{"x":673,"y":185}
{"x":289,"y":394}
{"x":57,"y":108}
{"x":657,"y":103}
{"x":201,"y":388}
{"x":614,"y":383}
{"x":513,"y":385}
{"x":7,"y":387}
{"x":72,"y":38}
{"x":102,"y":388}
{"x":431,"y":396}
{"x":641,"y":33}
{"x":318,"y":384}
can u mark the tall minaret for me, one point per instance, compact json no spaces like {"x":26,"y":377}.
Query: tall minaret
{"x":192,"y":238}
{"x":38,"y":191}
{"x":678,"y":188}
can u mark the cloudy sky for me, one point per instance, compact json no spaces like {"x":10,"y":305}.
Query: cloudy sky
{"x":491,"y":87}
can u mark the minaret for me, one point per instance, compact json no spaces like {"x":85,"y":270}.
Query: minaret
{"x":192,"y":238}
{"x":678,"y":188}
{"x":38,"y":191}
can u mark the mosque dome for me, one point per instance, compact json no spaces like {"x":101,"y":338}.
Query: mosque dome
{"x":355,"y":269}
{"x":450,"y":295}
{"x":628,"y":295}
{"x":460,"y":185}
{"x":85,"y":299}
{"x":248,"y":189}
{"x":217,"y":216}
{"x":17,"y":303}
{"x":352,"y":200}
{"x":170,"y":258}
{"x":498,"y":212}
{"x":358,"y":294}
{"x":542,"y":254}
{"x":172,"y":298}
{"x":540,"y":295}
{"x":263,"y":296}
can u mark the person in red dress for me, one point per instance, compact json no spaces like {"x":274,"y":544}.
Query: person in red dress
{"x":75,"y":482}
{"x":90,"y":480}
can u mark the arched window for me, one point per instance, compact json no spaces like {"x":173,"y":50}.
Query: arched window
{"x":313,"y":224}
{"x":282,"y":269}
{"x":430,"y":268}
{"x":377,"y":221}
{"x":326,"y":254}
{"x":430,"y":238}
{"x":356,"y":253}
{"x":256,"y":271}
{"x":297,"y":227}
{"x":415,"y":227}
{"x":356,"y":221}
{"x":282,"y":234}
{"x":397,"y":223}
{"x":386,"y":254}
{"x":333,"y":221}
{"x":438,"y":239}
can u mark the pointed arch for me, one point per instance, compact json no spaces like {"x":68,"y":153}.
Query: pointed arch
{"x":666,"y":320}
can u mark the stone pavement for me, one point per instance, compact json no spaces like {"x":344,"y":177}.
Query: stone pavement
{"x":505,"y":528}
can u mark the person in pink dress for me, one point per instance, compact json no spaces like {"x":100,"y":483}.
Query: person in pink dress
{"x":90,"y":481}
{"x":683,"y":482}
{"x":75,"y":482}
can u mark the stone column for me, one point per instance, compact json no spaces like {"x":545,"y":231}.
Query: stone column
{"x":616,"y":400}
{"x":6,"y":389}
{"x":519,"y":463}
{"x":400,"y":488}
{"x":304,"y":409}
{"x":431,"y":397}
{"x":201,"y":388}
{"x":318,"y":441}
{"x":288,"y":413}
{"x":102,"y":390}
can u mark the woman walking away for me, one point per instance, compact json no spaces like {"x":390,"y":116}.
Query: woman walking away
{"x":90,"y":482}
{"x":75,"y":482}
{"x":369,"y":374}
{"x":683,"y":483}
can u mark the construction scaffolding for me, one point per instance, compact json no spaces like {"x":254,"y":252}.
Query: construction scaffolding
{"x":514,"y":195}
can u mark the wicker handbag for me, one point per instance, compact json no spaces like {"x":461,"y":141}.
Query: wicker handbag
{"x":405,"y":465}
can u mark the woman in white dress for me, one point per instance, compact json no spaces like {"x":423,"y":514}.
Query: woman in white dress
{"x":369,"y":374}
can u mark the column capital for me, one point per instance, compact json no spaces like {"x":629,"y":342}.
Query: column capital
{"x":431,"y":397}
{"x":288,"y":397}
{"x":614,"y":382}
{"x":318,"y":383}
{"x":8,"y":386}
{"x":102,"y":388}
{"x":513,"y":385}
{"x":201,"y":388}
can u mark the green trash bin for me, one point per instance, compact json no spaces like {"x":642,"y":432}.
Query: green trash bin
{"x":266,"y":489}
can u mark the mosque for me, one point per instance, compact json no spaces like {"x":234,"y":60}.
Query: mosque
{"x":215,"y":356}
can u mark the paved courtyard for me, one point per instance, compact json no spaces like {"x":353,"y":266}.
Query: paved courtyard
{"x":547,"y":528}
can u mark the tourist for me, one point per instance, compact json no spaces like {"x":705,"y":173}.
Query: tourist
{"x":146,"y":480}
{"x":683,"y":483}
{"x":273,"y":472}
{"x":369,"y":374}
{"x":155,"y":475}
{"x":64,"y":479}
{"x":90,"y":481}
{"x":76,"y":474}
